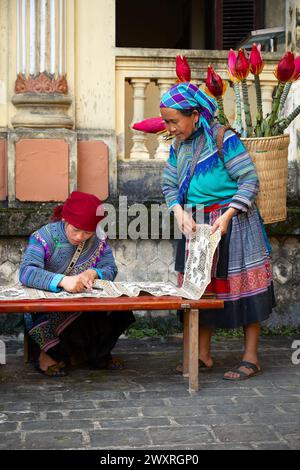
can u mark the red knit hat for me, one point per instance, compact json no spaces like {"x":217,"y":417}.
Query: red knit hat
{"x":80,"y":210}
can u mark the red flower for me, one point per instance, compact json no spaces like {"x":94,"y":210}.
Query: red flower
{"x":214,"y":82}
{"x":296,"y":73}
{"x":183,"y":70}
{"x":242,"y":66}
{"x":151,"y":125}
{"x":231,"y":65}
{"x":256,"y":62}
{"x":285,"y":68}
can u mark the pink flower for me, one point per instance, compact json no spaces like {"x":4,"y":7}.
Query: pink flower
{"x":151,"y":125}
{"x":256,"y":62}
{"x":183,"y":70}
{"x":285,"y":68}
{"x":231,"y":64}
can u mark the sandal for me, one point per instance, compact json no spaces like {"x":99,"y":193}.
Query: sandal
{"x":56,"y":370}
{"x":109,"y":363}
{"x":115,"y":364}
{"x":243,"y":375}
{"x":202,"y":367}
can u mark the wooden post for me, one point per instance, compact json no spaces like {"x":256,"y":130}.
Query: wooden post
{"x":193,"y":350}
{"x":26,"y":346}
{"x":185,"y":366}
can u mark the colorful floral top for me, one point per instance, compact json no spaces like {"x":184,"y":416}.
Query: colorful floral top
{"x":49,"y":253}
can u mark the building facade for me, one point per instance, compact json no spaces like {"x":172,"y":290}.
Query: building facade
{"x":74,"y":75}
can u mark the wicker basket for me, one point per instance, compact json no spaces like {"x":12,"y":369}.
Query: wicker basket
{"x":270,"y":156}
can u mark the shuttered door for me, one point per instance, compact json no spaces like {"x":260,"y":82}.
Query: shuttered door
{"x":235,"y":19}
{"x":238,"y":21}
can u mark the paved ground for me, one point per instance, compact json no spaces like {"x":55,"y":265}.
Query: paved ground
{"x":148,"y":406}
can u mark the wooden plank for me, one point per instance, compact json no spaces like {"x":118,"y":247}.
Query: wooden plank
{"x":116,"y":304}
{"x":193,"y":350}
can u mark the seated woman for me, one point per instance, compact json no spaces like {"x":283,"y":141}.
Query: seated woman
{"x":67,"y":254}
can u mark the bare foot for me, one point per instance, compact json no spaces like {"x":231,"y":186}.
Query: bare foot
{"x":45,"y":361}
{"x":202,"y":365}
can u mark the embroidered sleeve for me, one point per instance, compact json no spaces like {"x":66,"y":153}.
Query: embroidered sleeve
{"x":32,"y":270}
{"x":105,"y":265}
{"x":170,"y":180}
{"x":241,"y":169}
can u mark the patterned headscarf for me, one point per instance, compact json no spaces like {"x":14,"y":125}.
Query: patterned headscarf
{"x":187,"y":96}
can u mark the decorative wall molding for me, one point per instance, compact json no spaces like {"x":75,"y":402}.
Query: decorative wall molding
{"x":42,"y":83}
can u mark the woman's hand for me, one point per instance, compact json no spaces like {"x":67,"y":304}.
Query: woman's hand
{"x":185,"y":221}
{"x":80,"y":282}
{"x":72,"y":284}
{"x":222,"y":222}
{"x":87,"y":278}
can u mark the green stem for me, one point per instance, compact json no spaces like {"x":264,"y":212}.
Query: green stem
{"x":287,"y":121}
{"x":259,"y":116}
{"x":274,"y":112}
{"x":258,"y":94}
{"x":237,"y":125}
{"x":222,"y":117}
{"x":284,"y":96}
{"x":246,"y":108}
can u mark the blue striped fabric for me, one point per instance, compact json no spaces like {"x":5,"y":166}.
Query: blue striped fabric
{"x":214,"y":180}
{"x":49,"y":253}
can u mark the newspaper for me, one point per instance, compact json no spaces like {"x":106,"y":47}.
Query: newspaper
{"x":202,"y":246}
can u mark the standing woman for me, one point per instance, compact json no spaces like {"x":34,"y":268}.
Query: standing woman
{"x":68,"y":255}
{"x":227,"y":188}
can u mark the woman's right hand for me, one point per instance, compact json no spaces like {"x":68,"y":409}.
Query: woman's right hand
{"x":72,"y":284}
{"x":185,"y":221}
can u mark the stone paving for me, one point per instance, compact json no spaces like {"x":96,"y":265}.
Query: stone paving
{"x":148,"y":405}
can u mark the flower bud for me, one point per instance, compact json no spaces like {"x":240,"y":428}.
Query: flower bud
{"x":285,"y":68}
{"x":183,"y":70}
{"x":256,"y":62}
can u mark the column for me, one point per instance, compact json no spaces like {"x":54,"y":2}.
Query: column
{"x":292,"y":28}
{"x":267,"y":88}
{"x":41,"y":88}
{"x":139,"y":150}
{"x":162,"y":151}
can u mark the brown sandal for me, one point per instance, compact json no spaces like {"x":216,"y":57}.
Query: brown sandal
{"x":56,"y":370}
{"x":202,"y":367}
{"x":243,"y":375}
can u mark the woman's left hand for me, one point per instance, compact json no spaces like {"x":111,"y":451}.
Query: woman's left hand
{"x":87,"y":277}
{"x":222,"y":222}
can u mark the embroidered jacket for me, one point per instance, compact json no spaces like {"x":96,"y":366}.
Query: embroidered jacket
{"x":49,"y":253}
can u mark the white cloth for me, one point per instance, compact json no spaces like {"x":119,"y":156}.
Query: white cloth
{"x":202,"y":246}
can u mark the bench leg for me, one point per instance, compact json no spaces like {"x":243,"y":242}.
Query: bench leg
{"x":185,"y":369}
{"x":26,"y":347}
{"x":31,"y":350}
{"x":193,"y":328}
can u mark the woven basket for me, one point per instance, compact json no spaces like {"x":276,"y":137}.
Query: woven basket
{"x":270,"y":156}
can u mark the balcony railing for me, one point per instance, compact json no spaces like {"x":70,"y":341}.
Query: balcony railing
{"x":143,"y":75}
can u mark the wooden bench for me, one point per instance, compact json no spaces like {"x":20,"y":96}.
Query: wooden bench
{"x":144,"y":302}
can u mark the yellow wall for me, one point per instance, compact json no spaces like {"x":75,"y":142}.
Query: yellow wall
{"x":7,"y":60}
{"x":95,"y":64}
